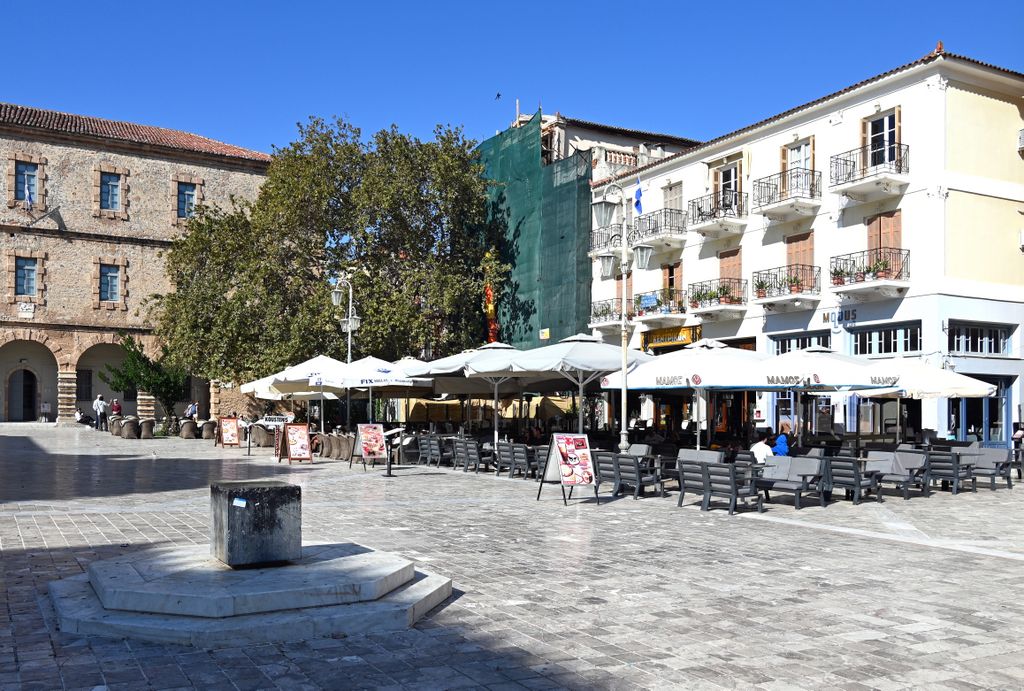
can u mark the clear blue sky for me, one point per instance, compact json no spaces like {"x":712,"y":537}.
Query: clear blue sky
{"x":246,"y":72}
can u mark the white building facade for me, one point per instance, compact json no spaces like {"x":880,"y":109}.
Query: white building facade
{"x":882,"y":220}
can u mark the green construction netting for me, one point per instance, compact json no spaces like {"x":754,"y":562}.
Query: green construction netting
{"x":546,"y":213}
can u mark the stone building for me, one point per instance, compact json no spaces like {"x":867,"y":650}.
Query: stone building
{"x":91,"y":206}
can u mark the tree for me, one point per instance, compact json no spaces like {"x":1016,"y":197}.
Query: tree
{"x":405,"y":220}
{"x":158,"y":377}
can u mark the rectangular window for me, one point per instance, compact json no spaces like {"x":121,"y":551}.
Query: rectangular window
{"x":110,"y":191}
{"x":110,"y":277}
{"x":799,"y":156}
{"x":24,"y":276}
{"x":674,"y":196}
{"x":784,"y":344}
{"x":186,"y":199}
{"x":905,"y":338}
{"x":130,"y":395}
{"x":882,"y":139}
{"x":978,"y":339}
{"x":25,"y":175}
{"x":83,"y":385}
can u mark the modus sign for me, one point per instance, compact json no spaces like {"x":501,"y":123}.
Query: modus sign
{"x":839,"y":318}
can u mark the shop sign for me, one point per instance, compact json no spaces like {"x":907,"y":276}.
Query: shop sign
{"x":545,"y":334}
{"x":839,"y":319}
{"x":671,"y":336}
{"x":26,"y":310}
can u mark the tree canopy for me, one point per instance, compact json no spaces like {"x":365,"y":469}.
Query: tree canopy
{"x":405,"y":220}
{"x":158,"y":376}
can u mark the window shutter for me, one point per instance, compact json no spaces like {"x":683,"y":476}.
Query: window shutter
{"x":729,"y":263}
{"x":874,"y":225}
{"x":812,"y":153}
{"x":739,"y":178}
{"x":665,"y":273}
{"x":891,"y":231}
{"x":629,"y":287}
{"x":864,"y":125}
{"x":783,"y":159}
{"x":678,"y":270}
{"x":716,"y":180}
{"x":898,"y":131}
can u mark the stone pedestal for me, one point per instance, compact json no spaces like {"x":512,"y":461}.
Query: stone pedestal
{"x":67,"y":384}
{"x":145,"y":405}
{"x":214,"y":399}
{"x":255,"y":522}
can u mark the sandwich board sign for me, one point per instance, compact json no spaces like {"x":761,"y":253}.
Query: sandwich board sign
{"x":227,"y":431}
{"x":570,"y":463}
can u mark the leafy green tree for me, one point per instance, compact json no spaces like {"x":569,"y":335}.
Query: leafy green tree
{"x":404,"y":219}
{"x":157,"y":376}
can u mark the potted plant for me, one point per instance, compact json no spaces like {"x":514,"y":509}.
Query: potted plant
{"x":697,"y":296}
{"x":796,"y":284}
{"x":838,"y":275}
{"x":881,"y":269}
{"x":665,"y":300}
{"x":724,"y":293}
{"x":858,"y":273}
{"x":761,"y":286}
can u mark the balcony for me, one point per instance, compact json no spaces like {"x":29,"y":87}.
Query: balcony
{"x":606,"y":315}
{"x":788,"y":288}
{"x":720,"y":213}
{"x":601,"y":239}
{"x":721,"y":298}
{"x":660,"y":307}
{"x":789,"y":195}
{"x":664,"y":229}
{"x":872,"y":274}
{"x":871,"y":172}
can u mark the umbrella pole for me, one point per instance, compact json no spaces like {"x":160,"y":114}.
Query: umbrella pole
{"x":699,"y":397}
{"x":370,"y":413}
{"x":495,"y":418}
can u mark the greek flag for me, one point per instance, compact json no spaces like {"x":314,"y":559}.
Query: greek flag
{"x":28,"y":195}
{"x":636,"y":204}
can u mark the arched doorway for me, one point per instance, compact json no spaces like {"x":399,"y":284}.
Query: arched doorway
{"x":22,"y":396}
{"x":28,"y":381}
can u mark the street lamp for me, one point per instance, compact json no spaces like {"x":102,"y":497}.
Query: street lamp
{"x":607,"y":264}
{"x":349,"y":324}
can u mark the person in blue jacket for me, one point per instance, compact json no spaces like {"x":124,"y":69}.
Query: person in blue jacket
{"x":781,"y":447}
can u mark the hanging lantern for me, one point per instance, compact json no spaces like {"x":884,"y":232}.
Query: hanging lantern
{"x":642,"y":256}
{"x":607,"y":265}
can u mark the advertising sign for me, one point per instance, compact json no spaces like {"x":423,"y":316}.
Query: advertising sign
{"x":228,"y":431}
{"x":569,"y":458}
{"x":371,"y":441}
{"x":296,"y":439}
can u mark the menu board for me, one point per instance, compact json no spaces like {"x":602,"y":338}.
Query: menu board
{"x":296,"y":440}
{"x":569,"y":460}
{"x":371,"y":441}
{"x":228,"y":431}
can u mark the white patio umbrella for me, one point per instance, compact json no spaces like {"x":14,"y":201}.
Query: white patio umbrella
{"x":372,"y":373}
{"x":919,"y":379}
{"x":308,"y":375}
{"x":581,"y":359}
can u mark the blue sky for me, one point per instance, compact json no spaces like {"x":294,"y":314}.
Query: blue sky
{"x":246,"y":72}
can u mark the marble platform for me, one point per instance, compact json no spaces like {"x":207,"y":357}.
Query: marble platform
{"x":182,"y":595}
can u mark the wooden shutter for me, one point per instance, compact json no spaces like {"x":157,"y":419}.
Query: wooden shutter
{"x":865,"y":124}
{"x":629,"y":287}
{"x":666,"y":272}
{"x":898,"y":132}
{"x":812,"y":153}
{"x":677,"y":269}
{"x":739,"y":179}
{"x":783,"y":159}
{"x":729,"y":264}
{"x":891,"y":231}
{"x":874,"y":225}
{"x":800,"y":249}
{"x":716,"y":180}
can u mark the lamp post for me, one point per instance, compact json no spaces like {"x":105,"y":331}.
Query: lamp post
{"x":623,"y":323}
{"x":349,"y":324}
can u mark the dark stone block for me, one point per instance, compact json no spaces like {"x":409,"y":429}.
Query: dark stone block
{"x":256,"y":522}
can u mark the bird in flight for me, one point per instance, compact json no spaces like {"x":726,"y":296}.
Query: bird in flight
{"x":497,"y":96}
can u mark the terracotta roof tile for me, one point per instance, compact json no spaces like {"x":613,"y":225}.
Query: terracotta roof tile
{"x":67,"y":123}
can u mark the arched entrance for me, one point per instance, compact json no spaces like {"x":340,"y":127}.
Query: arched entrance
{"x":22,"y":396}
{"x":28,"y":381}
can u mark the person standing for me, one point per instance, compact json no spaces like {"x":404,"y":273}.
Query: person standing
{"x":99,"y":406}
{"x":115,"y":407}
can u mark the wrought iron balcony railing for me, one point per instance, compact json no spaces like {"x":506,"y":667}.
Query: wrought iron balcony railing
{"x":602,"y":237}
{"x":658,"y":223}
{"x":665,"y":301}
{"x":720,"y":291}
{"x":883,"y":263}
{"x":606,"y":311}
{"x":724,"y":204}
{"x":782,"y":280}
{"x":793,"y":183}
{"x":871,"y":159}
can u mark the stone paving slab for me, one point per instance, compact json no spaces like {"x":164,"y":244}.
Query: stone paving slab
{"x":631,"y":594}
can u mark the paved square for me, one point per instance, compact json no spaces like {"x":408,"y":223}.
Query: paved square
{"x":632,"y":594}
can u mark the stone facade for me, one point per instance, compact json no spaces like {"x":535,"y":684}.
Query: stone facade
{"x":55,"y":342}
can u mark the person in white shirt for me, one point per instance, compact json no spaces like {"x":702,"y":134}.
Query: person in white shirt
{"x":100,"y":407}
{"x":760,"y":449}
